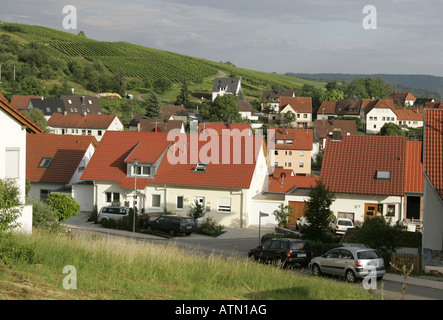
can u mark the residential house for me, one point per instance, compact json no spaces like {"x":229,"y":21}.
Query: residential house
{"x":21,"y":102}
{"x":342,"y":108}
{"x":172,"y":112}
{"x":246,"y":110}
{"x":300,"y":106}
{"x":224,"y":86}
{"x":79,"y":124}
{"x":377,"y":114}
{"x":156,"y":172}
{"x":55,"y":163}
{"x":325,"y":128}
{"x":13,"y":128}
{"x":284,"y":188}
{"x":327,"y":110}
{"x":271,"y":99}
{"x":434,"y":105}
{"x":159,"y":125}
{"x":224,"y":127}
{"x":47,"y":106}
{"x":81,"y":104}
{"x":410,"y":117}
{"x":372,"y":176}
{"x":292,"y":149}
{"x":403,"y":99}
{"x":433,"y":171}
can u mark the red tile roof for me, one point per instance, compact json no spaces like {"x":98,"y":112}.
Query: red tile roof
{"x":22,"y":102}
{"x":220,"y":126}
{"x":302,"y":139}
{"x":66,"y":150}
{"x":433,"y":148}
{"x":30,"y":125}
{"x":279,"y":183}
{"x":75,"y":120}
{"x":108,"y":162}
{"x":414,"y":167}
{"x":409,"y":113}
{"x":351,"y":165}
{"x":299,"y":104}
{"x":328,"y":106}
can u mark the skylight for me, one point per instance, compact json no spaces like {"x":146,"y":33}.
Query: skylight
{"x":383,"y":175}
{"x":45,"y":162}
{"x":201,"y":167}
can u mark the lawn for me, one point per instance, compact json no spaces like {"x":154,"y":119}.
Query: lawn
{"x":117,"y":268}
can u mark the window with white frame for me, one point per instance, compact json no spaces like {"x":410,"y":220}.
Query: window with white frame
{"x":112,"y":197}
{"x":141,"y":170}
{"x":224,"y":205}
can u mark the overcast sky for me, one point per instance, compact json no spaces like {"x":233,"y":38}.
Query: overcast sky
{"x":311,"y":36}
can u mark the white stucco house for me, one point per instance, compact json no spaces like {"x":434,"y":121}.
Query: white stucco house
{"x":160,"y":171}
{"x":84,"y":124}
{"x":13,"y":128}
{"x":378,"y":114}
{"x":55,"y":163}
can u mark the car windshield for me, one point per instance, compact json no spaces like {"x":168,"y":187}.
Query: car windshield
{"x":344,"y":223}
{"x":368,"y":254}
{"x":187,"y":222}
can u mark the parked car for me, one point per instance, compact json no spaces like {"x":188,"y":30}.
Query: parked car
{"x":172,"y":225}
{"x":340,"y":225}
{"x":350,"y":262}
{"x":112,"y":212}
{"x":283,"y":252}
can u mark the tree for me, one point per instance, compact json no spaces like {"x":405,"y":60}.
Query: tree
{"x":196,"y":211}
{"x":223,"y":109}
{"x":152,"y":107}
{"x":392,"y":129}
{"x":162,"y":85}
{"x":63,"y":204}
{"x":282,"y":214}
{"x":367,"y":88}
{"x":9,"y":202}
{"x":317,"y":210}
{"x":183,"y":97}
{"x":31,"y":86}
{"x":290,"y":117}
{"x":37,"y":116}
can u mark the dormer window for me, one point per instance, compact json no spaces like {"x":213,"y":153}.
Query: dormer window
{"x":201,"y":167}
{"x":45,"y":162}
{"x":383,"y":175}
{"x":141,"y":170}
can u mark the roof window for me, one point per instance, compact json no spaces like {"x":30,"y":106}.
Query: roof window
{"x":45,"y":162}
{"x":383,"y":175}
{"x":200,"y":167}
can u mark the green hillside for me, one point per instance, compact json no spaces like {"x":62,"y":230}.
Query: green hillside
{"x":58,"y":60}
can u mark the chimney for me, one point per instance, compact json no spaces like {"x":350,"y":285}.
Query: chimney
{"x":82,"y":98}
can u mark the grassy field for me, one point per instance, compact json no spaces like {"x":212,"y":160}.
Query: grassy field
{"x":117,"y":268}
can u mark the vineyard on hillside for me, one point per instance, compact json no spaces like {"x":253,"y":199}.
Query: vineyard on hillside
{"x":138,"y":62}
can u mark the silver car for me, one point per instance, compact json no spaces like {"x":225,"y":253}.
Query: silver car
{"x":112,"y":212}
{"x":350,"y":262}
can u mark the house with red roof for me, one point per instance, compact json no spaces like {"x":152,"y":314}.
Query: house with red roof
{"x":14,"y":127}
{"x":300,"y":106}
{"x":433,"y":171}
{"x":374,"y":175}
{"x":403,"y":99}
{"x":21,"y":102}
{"x":410,"y":117}
{"x":377,"y":114}
{"x":292,"y":149}
{"x":79,"y":124}
{"x":55,"y":163}
{"x":160,"y":171}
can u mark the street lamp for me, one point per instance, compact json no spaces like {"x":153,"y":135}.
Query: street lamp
{"x":262,"y":214}
{"x":134,"y":216}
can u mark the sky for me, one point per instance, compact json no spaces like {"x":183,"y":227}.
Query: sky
{"x":300,"y":36}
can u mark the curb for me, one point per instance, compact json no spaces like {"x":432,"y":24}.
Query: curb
{"x":416,"y":281}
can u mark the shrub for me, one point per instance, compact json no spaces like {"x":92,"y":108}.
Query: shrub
{"x":14,"y":251}
{"x":210,"y":228}
{"x":196,"y":211}
{"x":9,"y":201}
{"x":63,"y":204}
{"x":44,"y":216}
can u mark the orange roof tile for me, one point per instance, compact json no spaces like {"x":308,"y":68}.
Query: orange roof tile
{"x":22,"y":102}
{"x":409,"y":113}
{"x":108,"y":162}
{"x":299,"y":104}
{"x":283,"y":180}
{"x":66,"y":150}
{"x":351,"y":165}
{"x":220,"y":126}
{"x":433,"y":148}
{"x":414,"y":167}
{"x":302,"y":139}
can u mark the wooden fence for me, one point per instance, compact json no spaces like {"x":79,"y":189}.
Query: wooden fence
{"x":407,"y":259}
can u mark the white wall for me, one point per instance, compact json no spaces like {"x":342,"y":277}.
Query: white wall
{"x":432,"y":219}
{"x":375,"y":118}
{"x":84,"y":194}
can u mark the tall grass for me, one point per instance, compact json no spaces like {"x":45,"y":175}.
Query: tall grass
{"x":117,"y":268}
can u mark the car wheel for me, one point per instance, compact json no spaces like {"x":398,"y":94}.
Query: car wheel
{"x":316,"y":271}
{"x":103,"y":221}
{"x":350,"y":276}
{"x":171,"y":232}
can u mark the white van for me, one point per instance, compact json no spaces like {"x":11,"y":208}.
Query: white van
{"x":112,"y":212}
